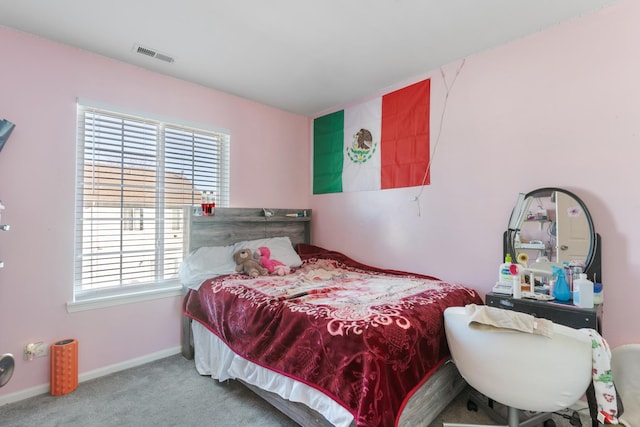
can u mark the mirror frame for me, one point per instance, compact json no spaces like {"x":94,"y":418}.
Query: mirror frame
{"x":593,"y":264}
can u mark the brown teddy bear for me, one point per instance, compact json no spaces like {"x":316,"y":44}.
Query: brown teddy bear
{"x":246,"y":264}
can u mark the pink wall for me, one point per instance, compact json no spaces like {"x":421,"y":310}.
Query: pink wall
{"x":41,"y":81}
{"x":560,"y":108}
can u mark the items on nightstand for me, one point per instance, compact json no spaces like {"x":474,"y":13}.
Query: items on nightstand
{"x":504,"y":285}
{"x":597,"y":293}
{"x":561,"y":289}
{"x":523,"y":259}
{"x":517,"y":283}
{"x":583,"y":291}
{"x":499,"y":288}
{"x":541,"y":268}
{"x":537,"y":296}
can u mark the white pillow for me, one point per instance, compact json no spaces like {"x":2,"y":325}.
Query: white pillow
{"x":280,"y":247}
{"x":206,"y":262}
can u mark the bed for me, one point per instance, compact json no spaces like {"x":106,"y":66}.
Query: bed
{"x":334,"y":342}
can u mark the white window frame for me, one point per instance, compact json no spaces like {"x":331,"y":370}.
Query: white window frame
{"x":171,"y":162}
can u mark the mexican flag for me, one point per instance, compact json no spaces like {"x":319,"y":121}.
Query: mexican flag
{"x":377,"y":144}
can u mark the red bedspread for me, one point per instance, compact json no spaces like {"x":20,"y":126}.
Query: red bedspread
{"x":364,"y":336}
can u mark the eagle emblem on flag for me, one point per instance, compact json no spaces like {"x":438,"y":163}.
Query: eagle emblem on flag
{"x":363,"y":147}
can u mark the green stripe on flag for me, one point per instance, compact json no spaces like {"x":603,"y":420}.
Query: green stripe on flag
{"x":328,"y":153}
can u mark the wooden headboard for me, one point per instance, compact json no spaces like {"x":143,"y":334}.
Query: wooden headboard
{"x":231,"y":225}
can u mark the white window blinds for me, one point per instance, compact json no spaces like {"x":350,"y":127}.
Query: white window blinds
{"x":134,"y":176}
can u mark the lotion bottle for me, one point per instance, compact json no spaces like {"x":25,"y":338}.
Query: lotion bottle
{"x":504,"y":272}
{"x":517,"y":281}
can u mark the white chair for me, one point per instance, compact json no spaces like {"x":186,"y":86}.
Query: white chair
{"x":520,"y":370}
{"x":625,"y":368}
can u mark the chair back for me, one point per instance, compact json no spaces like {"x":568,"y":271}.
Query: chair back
{"x":519,"y":369}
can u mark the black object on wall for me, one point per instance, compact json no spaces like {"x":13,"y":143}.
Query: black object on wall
{"x":6,"y":127}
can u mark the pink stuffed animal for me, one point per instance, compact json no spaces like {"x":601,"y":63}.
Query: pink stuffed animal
{"x":273,"y":266}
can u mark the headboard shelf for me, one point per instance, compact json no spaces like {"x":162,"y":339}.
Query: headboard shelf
{"x":231,"y":225}
{"x":218,"y":218}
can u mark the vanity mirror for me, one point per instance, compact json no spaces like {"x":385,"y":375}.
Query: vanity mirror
{"x":556,"y":224}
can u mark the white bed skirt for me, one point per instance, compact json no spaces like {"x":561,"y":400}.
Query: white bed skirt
{"x":214,"y":358}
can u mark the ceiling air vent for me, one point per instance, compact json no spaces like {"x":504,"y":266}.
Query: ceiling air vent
{"x":152,"y":53}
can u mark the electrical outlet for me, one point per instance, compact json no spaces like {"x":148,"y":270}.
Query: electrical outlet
{"x":35,"y":349}
{"x":42,"y":350}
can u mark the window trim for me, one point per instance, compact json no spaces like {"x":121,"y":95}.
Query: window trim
{"x":99,"y":298}
{"x":139,"y":295}
{"x":153,"y":116}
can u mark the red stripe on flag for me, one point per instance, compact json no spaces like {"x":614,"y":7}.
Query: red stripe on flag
{"x":405,"y":136}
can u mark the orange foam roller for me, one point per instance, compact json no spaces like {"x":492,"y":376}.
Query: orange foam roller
{"x":64,"y":367}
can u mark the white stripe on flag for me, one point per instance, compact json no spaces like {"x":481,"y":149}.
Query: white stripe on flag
{"x":361,"y":168}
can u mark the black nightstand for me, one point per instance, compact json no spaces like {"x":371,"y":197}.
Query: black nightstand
{"x":564,"y":313}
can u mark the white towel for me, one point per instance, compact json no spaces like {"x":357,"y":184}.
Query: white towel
{"x":508,"y":319}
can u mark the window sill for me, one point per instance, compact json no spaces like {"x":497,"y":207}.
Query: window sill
{"x":109,"y":301}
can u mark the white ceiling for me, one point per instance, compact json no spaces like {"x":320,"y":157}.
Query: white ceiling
{"x":301,"y":56}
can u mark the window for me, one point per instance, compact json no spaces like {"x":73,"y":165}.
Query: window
{"x":130,"y":215}
{"x":134,"y":177}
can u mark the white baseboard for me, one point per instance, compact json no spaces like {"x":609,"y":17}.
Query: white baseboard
{"x":86,"y":376}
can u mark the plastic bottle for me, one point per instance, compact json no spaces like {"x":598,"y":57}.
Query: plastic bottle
{"x":568,"y":275}
{"x":597,"y":293}
{"x":516,"y":280}
{"x":583,"y":291}
{"x":561,"y":290}
{"x":212,"y":203}
{"x":203,"y":203}
{"x":504,"y":272}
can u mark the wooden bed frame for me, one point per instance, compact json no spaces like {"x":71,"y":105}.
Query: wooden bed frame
{"x":230,"y":225}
